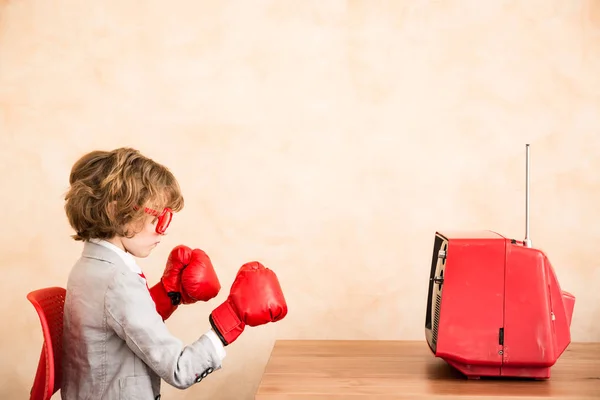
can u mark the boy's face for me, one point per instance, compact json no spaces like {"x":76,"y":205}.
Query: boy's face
{"x":145,"y":240}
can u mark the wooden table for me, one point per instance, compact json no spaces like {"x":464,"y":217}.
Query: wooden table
{"x":386,"y":370}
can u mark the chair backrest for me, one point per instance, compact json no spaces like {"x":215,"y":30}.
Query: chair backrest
{"x":49,"y":304}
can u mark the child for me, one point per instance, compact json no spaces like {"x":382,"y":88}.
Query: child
{"x":115,"y":344}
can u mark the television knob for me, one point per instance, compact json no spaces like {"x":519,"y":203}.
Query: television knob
{"x":439,"y":280}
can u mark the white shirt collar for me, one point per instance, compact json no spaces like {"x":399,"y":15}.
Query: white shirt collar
{"x":126,"y":257}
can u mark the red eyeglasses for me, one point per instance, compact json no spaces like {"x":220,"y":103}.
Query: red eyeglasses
{"x":164,"y":218}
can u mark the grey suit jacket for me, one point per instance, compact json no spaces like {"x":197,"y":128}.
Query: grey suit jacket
{"x":115,"y":345}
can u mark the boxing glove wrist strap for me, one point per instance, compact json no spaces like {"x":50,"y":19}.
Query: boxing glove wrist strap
{"x":226,"y":323}
{"x":174,"y":296}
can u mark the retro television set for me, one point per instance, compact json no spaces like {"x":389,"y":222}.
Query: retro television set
{"x":495,"y":307}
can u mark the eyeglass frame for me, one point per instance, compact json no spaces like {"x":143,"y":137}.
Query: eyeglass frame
{"x":165,"y":214}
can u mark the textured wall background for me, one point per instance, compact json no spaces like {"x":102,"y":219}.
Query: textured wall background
{"x":329,"y":139}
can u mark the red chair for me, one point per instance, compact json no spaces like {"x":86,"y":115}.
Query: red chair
{"x":49,"y":304}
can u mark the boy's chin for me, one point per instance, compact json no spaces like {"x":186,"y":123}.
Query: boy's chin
{"x":140,"y":253}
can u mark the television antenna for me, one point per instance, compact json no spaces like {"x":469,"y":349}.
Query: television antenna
{"x":527,"y":241}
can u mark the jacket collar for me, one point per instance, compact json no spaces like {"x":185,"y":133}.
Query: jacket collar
{"x":98,"y":252}
{"x":127,"y":258}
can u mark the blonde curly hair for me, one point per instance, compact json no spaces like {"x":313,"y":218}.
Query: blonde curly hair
{"x":109,"y":190}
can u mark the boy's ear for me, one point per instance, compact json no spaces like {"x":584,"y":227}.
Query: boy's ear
{"x":112,"y":209}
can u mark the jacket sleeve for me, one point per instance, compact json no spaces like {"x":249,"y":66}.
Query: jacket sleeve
{"x":132,"y":314}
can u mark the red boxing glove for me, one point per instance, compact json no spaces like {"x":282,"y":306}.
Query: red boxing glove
{"x":188,"y":277}
{"x":255,"y":299}
{"x":199,"y":281}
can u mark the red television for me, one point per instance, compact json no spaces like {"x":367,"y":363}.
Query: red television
{"x":495,"y":307}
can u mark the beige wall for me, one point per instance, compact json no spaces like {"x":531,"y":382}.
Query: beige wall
{"x":329,"y":140}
